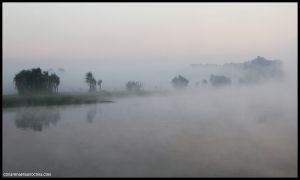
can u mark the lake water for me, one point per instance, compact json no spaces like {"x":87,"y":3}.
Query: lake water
{"x":217,"y":133}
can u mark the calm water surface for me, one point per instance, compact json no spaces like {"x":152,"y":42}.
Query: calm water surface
{"x":185,"y":135}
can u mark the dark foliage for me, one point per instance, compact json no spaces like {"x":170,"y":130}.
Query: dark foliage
{"x":134,"y":86}
{"x":89,"y":78}
{"x":219,"y":80}
{"x":35,"y":81}
{"x":180,"y":82}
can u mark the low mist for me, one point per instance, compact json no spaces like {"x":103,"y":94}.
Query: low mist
{"x":150,"y":90}
{"x":232,"y":130}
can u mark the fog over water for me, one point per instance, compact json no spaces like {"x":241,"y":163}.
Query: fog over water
{"x":234,"y":131}
{"x":219,"y":81}
{"x":153,"y":74}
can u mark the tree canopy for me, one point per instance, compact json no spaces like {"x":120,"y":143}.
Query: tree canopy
{"x":89,"y":78}
{"x":133,"y":86}
{"x":35,"y":81}
{"x":216,"y":80}
{"x":180,"y":82}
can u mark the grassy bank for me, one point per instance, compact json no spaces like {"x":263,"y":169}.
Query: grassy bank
{"x":55,"y":99}
{"x":72,"y":98}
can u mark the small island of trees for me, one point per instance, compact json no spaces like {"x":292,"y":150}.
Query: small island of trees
{"x":35,"y":81}
{"x":134,"y":86}
{"x":218,"y":80}
{"x":37,"y":87}
{"x":180,"y":82}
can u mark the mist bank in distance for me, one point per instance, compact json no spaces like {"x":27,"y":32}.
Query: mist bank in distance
{"x":159,"y":77}
{"x":258,"y":70}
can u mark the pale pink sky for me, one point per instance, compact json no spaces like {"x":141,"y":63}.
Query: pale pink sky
{"x":147,"y":31}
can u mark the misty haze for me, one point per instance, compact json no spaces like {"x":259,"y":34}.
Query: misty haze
{"x":150,"y":90}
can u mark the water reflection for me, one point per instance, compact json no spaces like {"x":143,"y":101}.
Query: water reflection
{"x":36,"y":118}
{"x":91,"y":113}
{"x":156,"y":136}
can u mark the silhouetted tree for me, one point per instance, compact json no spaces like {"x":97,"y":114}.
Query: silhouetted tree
{"x":133,"y":86}
{"x":261,"y":69}
{"x":34,"y":81}
{"x":180,"y":82}
{"x":91,"y":81}
{"x":204,"y":82}
{"x":54,"y":82}
{"x":219,"y":80}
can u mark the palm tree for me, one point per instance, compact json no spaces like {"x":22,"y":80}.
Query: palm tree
{"x":94,"y":83}
{"x":36,"y":81}
{"x":53,"y":83}
{"x":21,"y":82}
{"x":91,"y":81}
{"x":56,"y":82}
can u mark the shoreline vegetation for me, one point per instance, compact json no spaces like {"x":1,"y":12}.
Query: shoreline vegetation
{"x":52,"y":99}
{"x":16,"y":100}
{"x":40,"y":88}
{"x":37,"y":87}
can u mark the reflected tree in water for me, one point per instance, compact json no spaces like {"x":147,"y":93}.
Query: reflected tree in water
{"x":91,"y":113}
{"x":36,"y":119}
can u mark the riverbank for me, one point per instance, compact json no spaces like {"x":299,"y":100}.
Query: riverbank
{"x":52,"y":99}
{"x":104,"y":96}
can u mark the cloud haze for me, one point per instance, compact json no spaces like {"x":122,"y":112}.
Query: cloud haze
{"x":132,"y":31}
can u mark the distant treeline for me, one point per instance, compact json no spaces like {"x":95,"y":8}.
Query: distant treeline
{"x":254,"y":71}
{"x":35,"y":81}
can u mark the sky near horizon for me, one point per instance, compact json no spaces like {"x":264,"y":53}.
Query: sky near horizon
{"x":143,"y":32}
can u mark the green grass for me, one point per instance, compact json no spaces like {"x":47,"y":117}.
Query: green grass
{"x":55,"y":99}
{"x":70,"y":98}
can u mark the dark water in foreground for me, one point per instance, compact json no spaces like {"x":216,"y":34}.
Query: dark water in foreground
{"x":210,"y":134}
